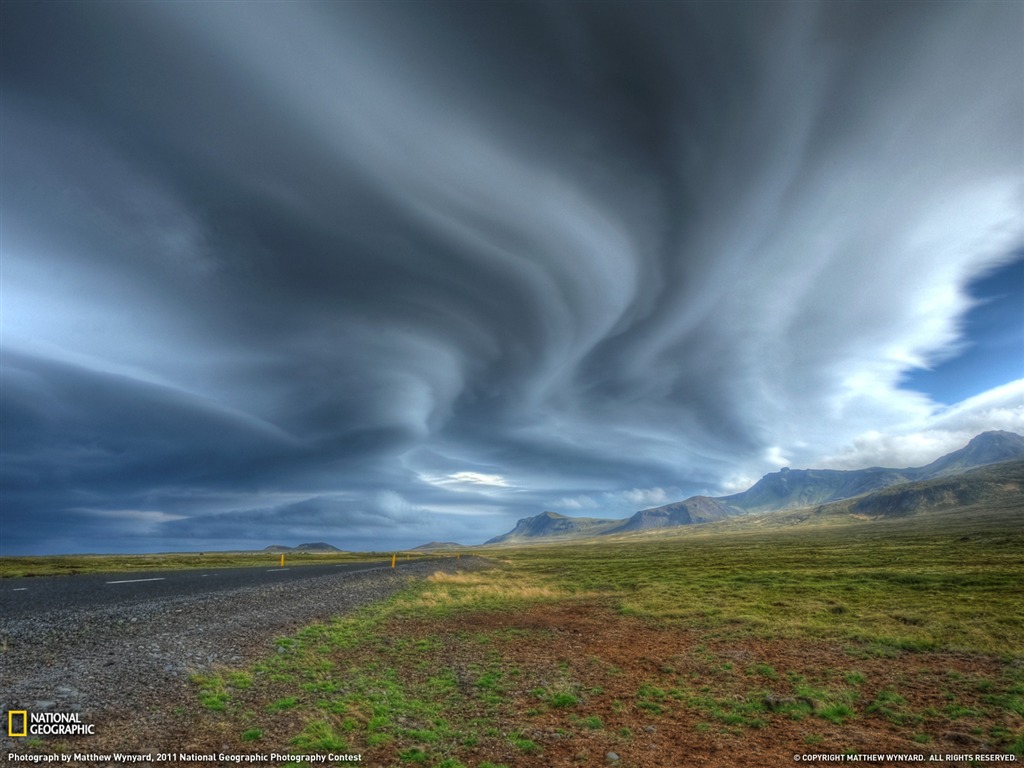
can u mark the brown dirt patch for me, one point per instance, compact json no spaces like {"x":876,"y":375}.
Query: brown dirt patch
{"x":607,"y":660}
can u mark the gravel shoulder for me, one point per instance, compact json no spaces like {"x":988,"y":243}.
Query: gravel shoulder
{"x":137,"y":658}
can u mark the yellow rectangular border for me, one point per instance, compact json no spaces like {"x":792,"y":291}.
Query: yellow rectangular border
{"x":10,"y":722}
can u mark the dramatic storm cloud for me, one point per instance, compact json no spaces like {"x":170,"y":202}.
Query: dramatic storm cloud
{"x":381,"y":273}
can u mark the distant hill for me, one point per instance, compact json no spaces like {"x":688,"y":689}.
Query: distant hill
{"x":991,"y":484}
{"x":989,"y":497}
{"x":553,"y":525}
{"x":796,"y":488}
{"x":991,"y":488}
{"x":697,"y":509}
{"x":986,"y":448}
{"x":316,"y":546}
{"x":434,"y":546}
{"x":880,"y":490}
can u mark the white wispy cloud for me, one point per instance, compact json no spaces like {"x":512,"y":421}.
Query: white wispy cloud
{"x":147,"y":516}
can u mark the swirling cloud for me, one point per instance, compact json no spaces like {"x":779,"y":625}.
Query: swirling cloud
{"x":419,"y":270}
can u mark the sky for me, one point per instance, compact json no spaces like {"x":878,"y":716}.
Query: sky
{"x":378,"y":274}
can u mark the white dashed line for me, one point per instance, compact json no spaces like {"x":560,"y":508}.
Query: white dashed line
{"x":271,"y":570}
{"x":20,"y":589}
{"x":133,"y":581}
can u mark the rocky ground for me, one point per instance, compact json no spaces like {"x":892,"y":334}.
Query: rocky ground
{"x":137,"y":658}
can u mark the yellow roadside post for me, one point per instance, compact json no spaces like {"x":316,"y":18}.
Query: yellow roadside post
{"x":393,"y":561}
{"x":282,"y":561}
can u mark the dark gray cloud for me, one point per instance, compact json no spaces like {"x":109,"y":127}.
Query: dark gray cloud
{"x":384,"y":273}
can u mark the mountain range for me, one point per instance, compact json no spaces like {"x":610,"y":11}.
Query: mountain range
{"x":881,"y":492}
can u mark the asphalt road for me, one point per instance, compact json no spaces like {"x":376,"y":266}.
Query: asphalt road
{"x":39,"y":595}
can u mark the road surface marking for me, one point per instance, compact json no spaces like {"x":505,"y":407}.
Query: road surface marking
{"x":20,"y":589}
{"x":277,"y":569}
{"x":132,"y":581}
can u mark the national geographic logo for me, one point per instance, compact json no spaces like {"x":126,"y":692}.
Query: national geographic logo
{"x":21,"y":722}
{"x":17,"y":716}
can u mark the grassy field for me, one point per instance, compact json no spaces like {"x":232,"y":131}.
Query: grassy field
{"x":740,"y":646}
